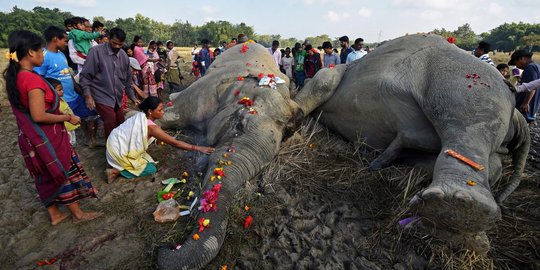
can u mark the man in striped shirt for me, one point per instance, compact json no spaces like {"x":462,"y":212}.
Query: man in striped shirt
{"x":482,"y":52}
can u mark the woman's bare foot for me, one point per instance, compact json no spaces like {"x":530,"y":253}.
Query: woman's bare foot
{"x":112,"y":174}
{"x":87,"y":216}
{"x":56,"y":219}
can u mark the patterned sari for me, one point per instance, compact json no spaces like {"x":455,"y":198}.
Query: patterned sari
{"x":48,"y":155}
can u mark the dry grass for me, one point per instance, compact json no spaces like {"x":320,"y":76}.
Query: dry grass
{"x":501,"y":57}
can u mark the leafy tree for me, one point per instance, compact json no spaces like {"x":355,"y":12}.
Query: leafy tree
{"x":183,"y":34}
{"x":465,"y":37}
{"x":531,"y":40}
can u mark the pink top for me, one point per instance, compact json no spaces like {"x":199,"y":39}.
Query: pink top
{"x":139,"y":54}
{"x":150,"y":122}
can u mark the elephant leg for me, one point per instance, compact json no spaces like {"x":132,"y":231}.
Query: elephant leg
{"x":390,"y":154}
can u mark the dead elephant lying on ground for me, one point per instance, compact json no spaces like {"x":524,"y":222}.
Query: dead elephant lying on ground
{"x":413,"y":93}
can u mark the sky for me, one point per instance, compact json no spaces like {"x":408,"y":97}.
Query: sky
{"x":373,"y":21}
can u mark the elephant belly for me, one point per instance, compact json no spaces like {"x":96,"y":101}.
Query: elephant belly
{"x":378,"y":116}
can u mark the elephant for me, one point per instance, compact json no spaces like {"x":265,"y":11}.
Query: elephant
{"x":415,"y":93}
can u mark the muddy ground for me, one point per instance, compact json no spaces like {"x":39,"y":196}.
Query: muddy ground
{"x":315,"y":207}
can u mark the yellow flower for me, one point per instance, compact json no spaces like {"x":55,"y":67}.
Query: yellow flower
{"x":190,"y":194}
{"x":212,"y":178}
{"x":12,"y":56}
{"x":471,"y":183}
{"x":206,"y":222}
{"x":183,"y":181}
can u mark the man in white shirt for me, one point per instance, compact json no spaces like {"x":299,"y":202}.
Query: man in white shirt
{"x":276,"y":54}
{"x":358,"y":52}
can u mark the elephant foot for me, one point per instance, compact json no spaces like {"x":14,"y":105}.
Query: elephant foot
{"x":458,"y":208}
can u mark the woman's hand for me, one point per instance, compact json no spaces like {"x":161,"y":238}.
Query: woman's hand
{"x":204,"y":149}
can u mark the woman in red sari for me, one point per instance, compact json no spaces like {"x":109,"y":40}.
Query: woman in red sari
{"x":43,"y":140}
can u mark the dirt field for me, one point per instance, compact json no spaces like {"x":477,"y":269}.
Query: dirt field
{"x":315,"y":207}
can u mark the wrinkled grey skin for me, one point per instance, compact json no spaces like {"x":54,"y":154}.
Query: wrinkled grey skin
{"x":210,"y":105}
{"x":410,"y":93}
{"x":413,"y":93}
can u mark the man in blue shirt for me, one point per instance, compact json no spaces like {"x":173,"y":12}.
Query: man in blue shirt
{"x":527,"y":103}
{"x":204,"y":56}
{"x":330,"y":58}
{"x":55,"y":66}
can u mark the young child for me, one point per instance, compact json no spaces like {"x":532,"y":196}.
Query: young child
{"x":65,"y":109}
{"x":504,"y":69}
{"x":82,"y":40}
{"x":288,"y":62}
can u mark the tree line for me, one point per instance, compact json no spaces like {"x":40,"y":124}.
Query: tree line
{"x":506,"y":37}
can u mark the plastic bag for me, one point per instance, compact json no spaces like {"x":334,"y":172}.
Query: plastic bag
{"x":168,"y":210}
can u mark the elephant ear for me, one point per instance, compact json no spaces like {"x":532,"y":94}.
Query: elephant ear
{"x":319,"y":89}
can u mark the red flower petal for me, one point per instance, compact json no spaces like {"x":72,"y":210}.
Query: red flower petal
{"x":236,"y":92}
{"x":247,"y":222}
{"x":240,"y":78}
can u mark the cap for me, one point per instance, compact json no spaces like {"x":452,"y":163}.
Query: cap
{"x":518,"y":54}
{"x":134,"y":63}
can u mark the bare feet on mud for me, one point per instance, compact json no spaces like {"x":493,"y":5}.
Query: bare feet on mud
{"x":58,"y":219}
{"x":87,"y":216}
{"x":112,"y":174}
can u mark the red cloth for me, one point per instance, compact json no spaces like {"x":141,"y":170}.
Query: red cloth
{"x":27,"y":81}
{"x":45,"y":147}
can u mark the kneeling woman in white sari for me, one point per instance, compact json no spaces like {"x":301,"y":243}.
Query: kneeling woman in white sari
{"x":127,"y":144}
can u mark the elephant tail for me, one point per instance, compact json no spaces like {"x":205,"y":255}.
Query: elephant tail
{"x":198,"y":250}
{"x":519,"y":147}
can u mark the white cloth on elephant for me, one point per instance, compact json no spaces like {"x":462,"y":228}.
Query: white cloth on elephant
{"x":127,"y":145}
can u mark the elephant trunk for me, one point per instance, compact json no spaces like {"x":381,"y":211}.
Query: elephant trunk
{"x":257,"y":144}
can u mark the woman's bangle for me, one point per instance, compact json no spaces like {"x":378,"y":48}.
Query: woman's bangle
{"x":69,"y":117}
{"x":192,"y":147}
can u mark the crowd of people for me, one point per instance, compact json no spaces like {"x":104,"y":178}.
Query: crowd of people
{"x":299,"y":63}
{"x":66,"y":78}
{"x":524,"y":75}
{"x":73,"y":77}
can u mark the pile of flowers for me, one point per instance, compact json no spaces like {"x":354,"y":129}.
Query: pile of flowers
{"x":210,"y":198}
